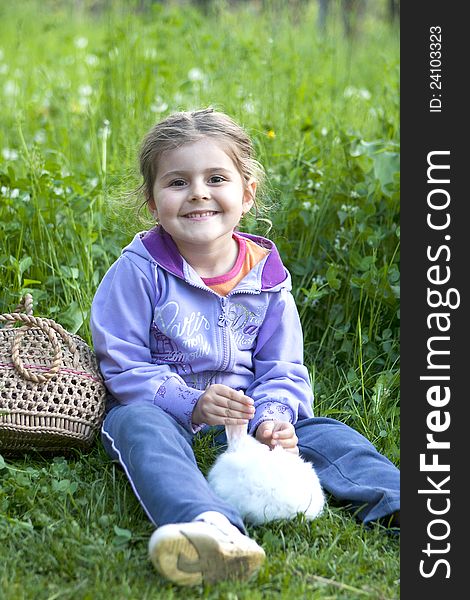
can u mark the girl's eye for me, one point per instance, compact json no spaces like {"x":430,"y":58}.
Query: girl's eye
{"x":177,"y":183}
{"x":216,"y":179}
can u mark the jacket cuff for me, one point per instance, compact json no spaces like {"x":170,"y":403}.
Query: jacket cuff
{"x":178,"y":400}
{"x":271,"y":411}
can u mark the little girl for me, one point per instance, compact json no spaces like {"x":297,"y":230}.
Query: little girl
{"x":194,"y":326}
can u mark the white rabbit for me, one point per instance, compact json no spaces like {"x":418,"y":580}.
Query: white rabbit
{"x":264,"y":484}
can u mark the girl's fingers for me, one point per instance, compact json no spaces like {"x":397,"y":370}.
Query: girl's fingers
{"x":289,"y":445}
{"x":235,"y":395}
{"x":285,"y":436}
{"x":233,"y":405}
{"x":223,"y":412}
{"x":236,"y":414}
{"x":226,"y":406}
{"x":285,"y":431}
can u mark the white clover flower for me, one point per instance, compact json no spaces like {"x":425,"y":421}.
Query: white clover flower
{"x":354,"y":194}
{"x":353,"y":92}
{"x":159,"y":105}
{"x":349,"y":208}
{"x":15,"y":192}
{"x":3,"y":190}
{"x":11,"y":88}
{"x":306,"y":205}
{"x":195,"y":74}
{"x":43,"y":98}
{"x":92,"y":60}
{"x":324,"y":131}
{"x":40,"y":136}
{"x":58,"y":191}
{"x":306,"y":301}
{"x":80,"y":42}
{"x":81,"y":105}
{"x":9,"y":154}
{"x":93,"y":182}
{"x":150,"y":53}
{"x":105,"y":131}
{"x":249,"y":106}
{"x":85,"y":90}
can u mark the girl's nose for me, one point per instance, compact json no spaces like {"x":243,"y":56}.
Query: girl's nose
{"x":199,"y":191}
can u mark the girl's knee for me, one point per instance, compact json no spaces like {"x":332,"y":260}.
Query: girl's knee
{"x":333,"y":440}
{"x":327,"y":428}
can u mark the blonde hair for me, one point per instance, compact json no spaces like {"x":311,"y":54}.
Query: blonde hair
{"x":186,"y":127}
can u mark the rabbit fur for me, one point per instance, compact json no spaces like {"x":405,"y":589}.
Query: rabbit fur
{"x":264,"y":484}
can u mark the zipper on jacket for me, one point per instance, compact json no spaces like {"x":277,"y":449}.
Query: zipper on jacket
{"x":243,"y":291}
{"x":223,"y":317}
{"x":223,"y":323}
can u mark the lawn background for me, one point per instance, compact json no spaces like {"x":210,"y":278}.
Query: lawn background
{"x":80,"y":83}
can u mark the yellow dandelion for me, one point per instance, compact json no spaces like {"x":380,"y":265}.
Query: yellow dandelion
{"x":271,"y":134}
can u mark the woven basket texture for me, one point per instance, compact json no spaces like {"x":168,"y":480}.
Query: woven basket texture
{"x":63,"y":412}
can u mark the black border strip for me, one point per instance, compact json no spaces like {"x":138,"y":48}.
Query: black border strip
{"x":434,"y":349}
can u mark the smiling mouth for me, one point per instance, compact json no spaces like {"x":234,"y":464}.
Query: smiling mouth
{"x":201,"y":214}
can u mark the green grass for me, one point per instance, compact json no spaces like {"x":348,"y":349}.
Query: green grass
{"x":79,"y":88}
{"x":71,"y":528}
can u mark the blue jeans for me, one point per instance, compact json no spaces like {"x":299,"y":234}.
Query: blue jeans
{"x":157,"y":456}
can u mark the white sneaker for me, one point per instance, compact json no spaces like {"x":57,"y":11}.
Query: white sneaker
{"x":199,"y":552}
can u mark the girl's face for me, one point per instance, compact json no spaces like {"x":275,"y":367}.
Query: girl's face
{"x":199,"y":195}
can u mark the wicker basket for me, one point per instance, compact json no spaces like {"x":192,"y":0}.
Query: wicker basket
{"x":52,"y":396}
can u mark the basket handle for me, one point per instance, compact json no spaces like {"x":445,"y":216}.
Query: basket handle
{"x":50,"y":328}
{"x":25,"y":306}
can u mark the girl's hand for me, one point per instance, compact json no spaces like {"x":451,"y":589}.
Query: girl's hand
{"x":278,"y":433}
{"x":222,"y":405}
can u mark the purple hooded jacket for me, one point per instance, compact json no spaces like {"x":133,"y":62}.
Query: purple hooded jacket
{"x":162,"y":336}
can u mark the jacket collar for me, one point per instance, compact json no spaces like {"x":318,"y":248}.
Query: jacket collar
{"x":162,"y":248}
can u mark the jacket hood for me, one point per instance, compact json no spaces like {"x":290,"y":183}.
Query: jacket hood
{"x":157,"y":245}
